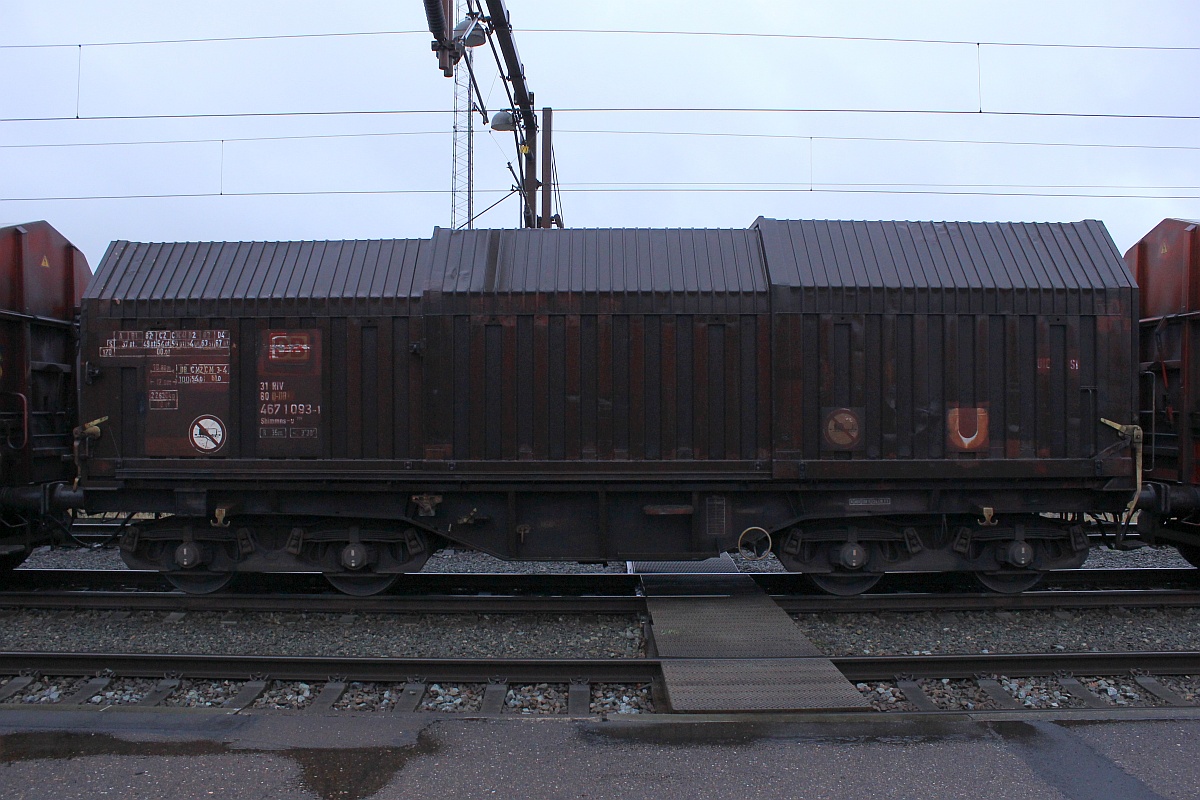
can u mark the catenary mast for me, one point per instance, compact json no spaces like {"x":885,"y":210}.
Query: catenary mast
{"x":462,"y":191}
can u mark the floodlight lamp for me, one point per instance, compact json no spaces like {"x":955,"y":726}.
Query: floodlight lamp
{"x":470,"y":33}
{"x":504,"y":121}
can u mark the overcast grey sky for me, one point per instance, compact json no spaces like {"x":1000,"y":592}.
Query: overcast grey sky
{"x":161,"y":122}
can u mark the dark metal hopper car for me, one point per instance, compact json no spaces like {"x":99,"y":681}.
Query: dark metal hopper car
{"x":857,"y":397}
{"x":1167,"y":264}
{"x":42,"y":277}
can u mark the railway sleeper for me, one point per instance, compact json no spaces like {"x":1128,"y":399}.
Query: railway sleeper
{"x":418,"y":695}
{"x":494,"y":697}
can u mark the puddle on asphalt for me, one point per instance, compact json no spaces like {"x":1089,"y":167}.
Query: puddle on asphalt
{"x":344,"y":774}
{"x":357,"y":773}
{"x":826,"y":732}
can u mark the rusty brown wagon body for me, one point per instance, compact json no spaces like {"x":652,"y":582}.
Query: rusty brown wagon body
{"x":872,"y":395}
{"x":42,"y":277}
{"x":1166,"y":262}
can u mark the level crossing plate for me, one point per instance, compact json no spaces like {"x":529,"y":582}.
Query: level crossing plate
{"x":758,"y":684}
{"x":725,"y":646}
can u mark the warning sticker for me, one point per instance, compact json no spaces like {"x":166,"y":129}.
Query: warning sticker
{"x":208,"y":433}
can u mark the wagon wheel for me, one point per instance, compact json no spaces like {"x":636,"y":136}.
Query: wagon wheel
{"x":844,"y":584}
{"x":199,"y":582}
{"x":1009,"y":582}
{"x":12,"y":561}
{"x":363,"y":585}
{"x":1190,"y":553}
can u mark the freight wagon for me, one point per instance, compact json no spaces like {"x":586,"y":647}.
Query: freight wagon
{"x":42,"y":277}
{"x":1167,"y":265}
{"x":855,"y":397}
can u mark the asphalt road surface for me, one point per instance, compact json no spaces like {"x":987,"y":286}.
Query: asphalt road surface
{"x":64,"y":755}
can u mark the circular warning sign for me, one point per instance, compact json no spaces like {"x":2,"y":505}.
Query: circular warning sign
{"x":207,"y":434}
{"x":842,"y":429}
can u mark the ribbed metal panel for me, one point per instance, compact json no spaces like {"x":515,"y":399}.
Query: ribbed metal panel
{"x":597,"y":345}
{"x":942,"y":267}
{"x":617,"y":270}
{"x":946,"y":340}
{"x":219,"y":279}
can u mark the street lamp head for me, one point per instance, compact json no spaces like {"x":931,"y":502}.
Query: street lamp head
{"x":470,"y":32}
{"x":504,"y":121}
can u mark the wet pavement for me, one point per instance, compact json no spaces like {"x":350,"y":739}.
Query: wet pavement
{"x":63,"y":755}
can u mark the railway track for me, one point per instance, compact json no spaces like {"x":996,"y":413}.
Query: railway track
{"x":772,"y":582}
{"x":595,"y":594}
{"x":909,"y":676}
{"x":330,"y":677}
{"x":580,"y":604}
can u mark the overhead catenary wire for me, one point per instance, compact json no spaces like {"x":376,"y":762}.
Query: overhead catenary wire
{"x":600,"y":132}
{"x":896,"y":189}
{"x":622,"y":32}
{"x":664,"y":187}
{"x":622,"y":110}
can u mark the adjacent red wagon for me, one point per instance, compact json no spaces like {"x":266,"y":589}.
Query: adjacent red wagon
{"x":1166,"y":262}
{"x":42,"y":278}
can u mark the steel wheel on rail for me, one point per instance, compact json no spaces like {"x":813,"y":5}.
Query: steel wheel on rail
{"x":1190,"y":553}
{"x":199,"y":582}
{"x":844,"y":584}
{"x":12,"y":561}
{"x":1008,"y":582}
{"x":361,"y":585}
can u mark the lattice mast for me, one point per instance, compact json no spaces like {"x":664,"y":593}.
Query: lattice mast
{"x":462,"y":190}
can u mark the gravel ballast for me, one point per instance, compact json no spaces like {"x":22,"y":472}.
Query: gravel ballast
{"x":289,"y":695}
{"x":621,"y":698}
{"x":979,"y":632}
{"x":453,"y":697}
{"x":369,"y":696}
{"x":539,"y":698}
{"x":203,"y":694}
{"x":48,"y":689}
{"x":361,"y":635}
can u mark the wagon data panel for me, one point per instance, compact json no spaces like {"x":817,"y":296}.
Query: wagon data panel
{"x":186,"y":376}
{"x":289,"y":393}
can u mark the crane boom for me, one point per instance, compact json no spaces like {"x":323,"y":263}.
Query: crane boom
{"x":502,"y":27}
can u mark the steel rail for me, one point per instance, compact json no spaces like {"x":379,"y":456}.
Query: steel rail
{"x":867,"y":668}
{"x":307,"y":582}
{"x":1027,"y":601}
{"x":788,"y":583}
{"x":480,"y":593}
{"x":774,"y":583}
{"x":580,"y":604}
{"x":318,"y":668}
{"x":511,"y":670}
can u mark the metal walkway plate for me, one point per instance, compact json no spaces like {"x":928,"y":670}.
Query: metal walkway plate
{"x":725,"y":646}
{"x":736,"y":626}
{"x":722,"y":563}
{"x":747,"y":684}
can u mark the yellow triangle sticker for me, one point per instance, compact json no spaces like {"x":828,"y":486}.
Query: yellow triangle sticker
{"x":45,"y":262}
